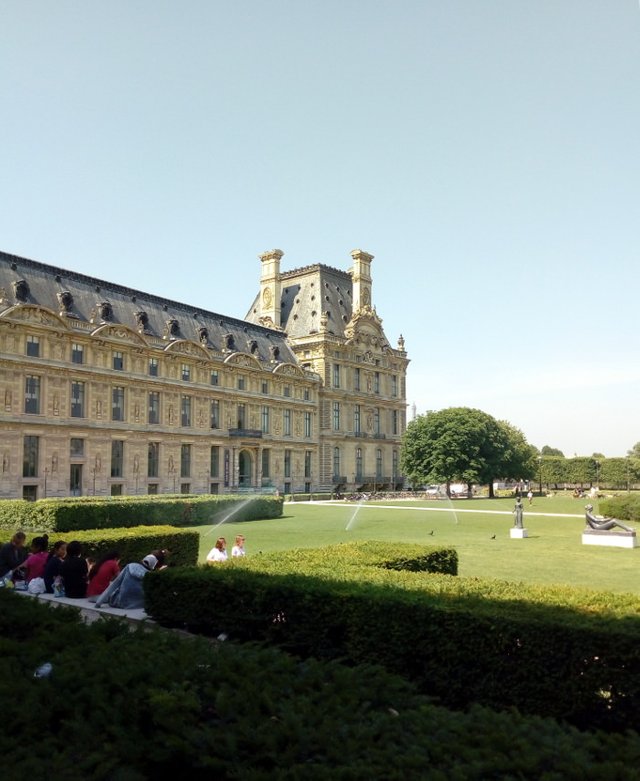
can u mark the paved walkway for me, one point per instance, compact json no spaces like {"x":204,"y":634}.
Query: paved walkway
{"x":456,"y":510}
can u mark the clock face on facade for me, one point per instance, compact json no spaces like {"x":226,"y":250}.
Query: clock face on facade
{"x":267,"y":297}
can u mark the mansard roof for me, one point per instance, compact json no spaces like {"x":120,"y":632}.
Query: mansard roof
{"x":310,"y":295}
{"x":76,"y":296}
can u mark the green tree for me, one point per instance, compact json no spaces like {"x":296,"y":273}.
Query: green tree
{"x":460,"y":443}
{"x":551,"y":451}
{"x":635,"y":451}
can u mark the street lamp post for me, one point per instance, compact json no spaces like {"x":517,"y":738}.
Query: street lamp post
{"x":540,"y":473}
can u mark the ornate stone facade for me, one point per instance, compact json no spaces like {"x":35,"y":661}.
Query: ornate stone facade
{"x":112,"y":391}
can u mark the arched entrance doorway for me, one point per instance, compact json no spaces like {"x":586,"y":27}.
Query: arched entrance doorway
{"x":244,"y":469}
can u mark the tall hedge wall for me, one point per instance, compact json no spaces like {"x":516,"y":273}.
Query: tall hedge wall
{"x":550,"y":651}
{"x":65,"y":515}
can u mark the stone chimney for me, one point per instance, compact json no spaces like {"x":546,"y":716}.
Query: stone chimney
{"x":270,"y":286}
{"x":361,"y":279}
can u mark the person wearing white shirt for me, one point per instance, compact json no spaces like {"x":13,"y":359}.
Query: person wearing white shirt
{"x":218,"y":552}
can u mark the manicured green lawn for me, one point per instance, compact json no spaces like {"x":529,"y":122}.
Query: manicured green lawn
{"x":553,"y":553}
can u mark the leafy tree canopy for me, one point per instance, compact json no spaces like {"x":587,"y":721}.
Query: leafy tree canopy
{"x":551,"y":451}
{"x":635,"y":451}
{"x":460,"y":443}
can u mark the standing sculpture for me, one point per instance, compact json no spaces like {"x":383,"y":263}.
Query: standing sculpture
{"x":518,"y":513}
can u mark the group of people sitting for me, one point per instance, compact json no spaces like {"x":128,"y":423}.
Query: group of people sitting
{"x":64,"y":571}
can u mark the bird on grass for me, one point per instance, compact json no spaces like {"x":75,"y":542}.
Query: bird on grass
{"x":493,"y":537}
{"x":431,"y":532}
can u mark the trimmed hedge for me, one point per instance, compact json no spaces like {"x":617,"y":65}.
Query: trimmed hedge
{"x":567,"y":653}
{"x":626,"y":507}
{"x":65,"y":515}
{"x":150,"y":705}
{"x":134,"y":543}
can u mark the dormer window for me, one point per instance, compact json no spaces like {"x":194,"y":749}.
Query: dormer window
{"x":21,"y":289}
{"x":106,"y":311}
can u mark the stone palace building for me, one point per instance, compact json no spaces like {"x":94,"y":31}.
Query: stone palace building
{"x":107,"y":390}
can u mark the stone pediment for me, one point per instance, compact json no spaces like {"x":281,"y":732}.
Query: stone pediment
{"x":35,"y":314}
{"x":365,"y":327}
{"x":289,"y":370}
{"x":242,"y":359}
{"x":187,"y":347}
{"x":119,"y":333}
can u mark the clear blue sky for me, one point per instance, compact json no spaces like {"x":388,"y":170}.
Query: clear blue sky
{"x":486,"y":152}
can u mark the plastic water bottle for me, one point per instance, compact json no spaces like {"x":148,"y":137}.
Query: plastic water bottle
{"x":44,"y":671}
{"x":58,"y":588}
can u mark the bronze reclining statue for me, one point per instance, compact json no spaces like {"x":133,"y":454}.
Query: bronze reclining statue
{"x":601,"y":524}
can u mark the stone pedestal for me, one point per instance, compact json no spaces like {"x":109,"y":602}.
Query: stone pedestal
{"x":617,"y":538}
{"x":518,"y":534}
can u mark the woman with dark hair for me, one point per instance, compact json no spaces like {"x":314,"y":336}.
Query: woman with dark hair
{"x":74,"y":572}
{"x":12,"y":554}
{"x":53,"y":566}
{"x":33,"y":566}
{"x":105,"y":569}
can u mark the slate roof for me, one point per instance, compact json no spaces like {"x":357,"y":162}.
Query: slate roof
{"x":91,"y":299}
{"x":307,"y":294}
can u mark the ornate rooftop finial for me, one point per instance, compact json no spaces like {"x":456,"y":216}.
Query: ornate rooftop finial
{"x":401,"y":343}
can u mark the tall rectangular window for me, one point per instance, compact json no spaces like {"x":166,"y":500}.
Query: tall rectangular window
{"x":265,"y":386}
{"x":336,"y":375}
{"x":307,"y":424}
{"x":214,"y":377}
{"x":394,"y":421}
{"x":185,"y":461}
{"x":153,"y":459}
{"x":378,"y":464}
{"x":395,"y":467}
{"x":286,"y":423}
{"x":214,"y":461}
{"x":33,"y":346}
{"x":376,"y":382}
{"x":359,"y":463}
{"x":265,"y":419}
{"x":287,"y":463}
{"x":336,"y":463}
{"x":242,"y":414}
{"x":117,"y":458}
{"x":118,"y":361}
{"x":266,"y":463}
{"x":153,"y":367}
{"x":186,"y":372}
{"x":77,"y":399}
{"x":356,"y":379}
{"x":286,"y":391}
{"x":376,"y":420}
{"x":215,"y":414}
{"x":241,"y":382}
{"x":30,"y":456}
{"x":117,"y":403}
{"x":306,"y":394}
{"x":336,"y":416}
{"x":77,"y":353}
{"x":32,"y":395}
{"x":356,"y":419}
{"x":154,"y":407}
{"x":394,"y":385}
{"x":307,"y":463}
{"x":76,"y":447}
{"x":185,"y":410}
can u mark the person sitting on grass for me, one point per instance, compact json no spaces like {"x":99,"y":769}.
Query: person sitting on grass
{"x":218,"y":552}
{"x":74,"y":571}
{"x":126,"y":590}
{"x":105,"y":569}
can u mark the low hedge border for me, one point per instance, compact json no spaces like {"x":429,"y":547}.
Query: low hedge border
{"x":66,"y":515}
{"x":166,"y":706}
{"x":133,"y":543}
{"x":626,"y":507}
{"x":460,"y":640}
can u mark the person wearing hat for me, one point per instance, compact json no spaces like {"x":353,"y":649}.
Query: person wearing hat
{"x":126,"y":590}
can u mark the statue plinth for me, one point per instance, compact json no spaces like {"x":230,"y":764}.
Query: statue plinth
{"x":516,"y":533}
{"x":618,"y":538}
